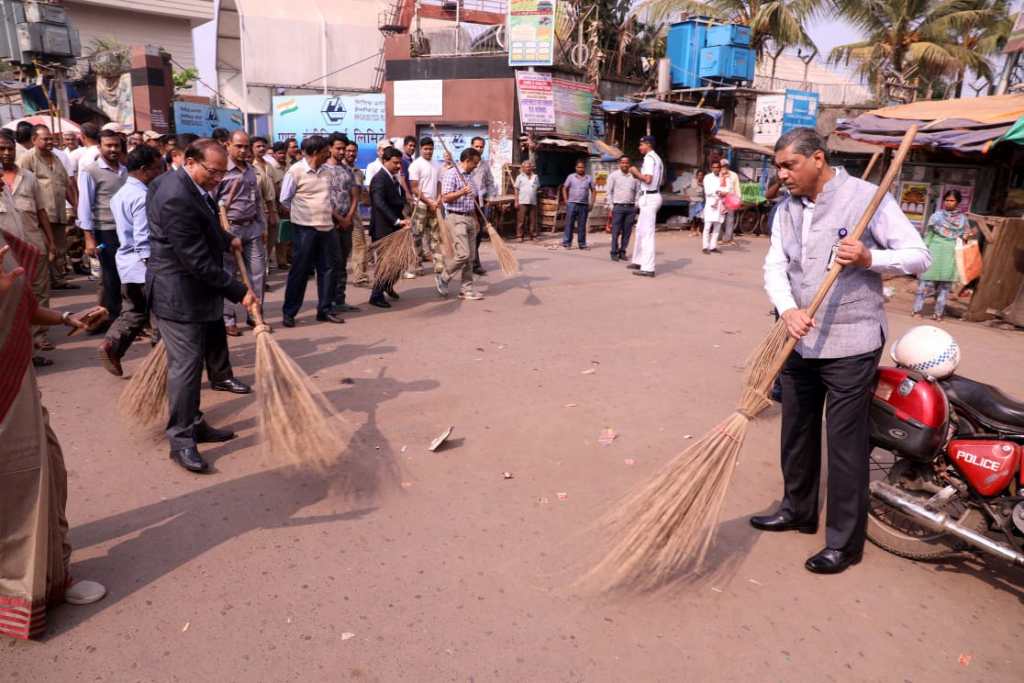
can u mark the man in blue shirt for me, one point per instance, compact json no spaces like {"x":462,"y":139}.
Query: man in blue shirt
{"x":128,"y":206}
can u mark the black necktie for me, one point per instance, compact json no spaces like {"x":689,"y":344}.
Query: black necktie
{"x":211,"y":204}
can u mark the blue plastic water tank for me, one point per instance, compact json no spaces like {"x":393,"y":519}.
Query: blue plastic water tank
{"x":727,"y":62}
{"x":683,"y":46}
{"x":728,"y":34}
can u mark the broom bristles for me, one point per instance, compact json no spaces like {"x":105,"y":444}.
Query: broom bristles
{"x":296,"y":419}
{"x":506,"y":259}
{"x":762,"y":360}
{"x":396,"y":254}
{"x":144,"y":400}
{"x":444,"y":233}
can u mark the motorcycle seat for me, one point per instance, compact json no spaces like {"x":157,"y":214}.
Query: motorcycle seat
{"x":985,"y":402}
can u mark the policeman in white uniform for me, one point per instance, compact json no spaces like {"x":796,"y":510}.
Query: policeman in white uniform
{"x":650,"y":176}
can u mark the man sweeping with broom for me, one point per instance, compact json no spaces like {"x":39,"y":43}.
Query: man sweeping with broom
{"x":186,"y":284}
{"x":832,"y":368}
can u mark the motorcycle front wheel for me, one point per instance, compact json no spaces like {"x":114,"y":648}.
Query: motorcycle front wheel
{"x":897,"y":532}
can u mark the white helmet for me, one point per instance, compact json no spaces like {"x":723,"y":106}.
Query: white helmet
{"x":927,"y":349}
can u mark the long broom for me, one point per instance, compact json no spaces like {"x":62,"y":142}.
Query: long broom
{"x":667,"y":526}
{"x":296,"y":419}
{"x":506,"y":259}
{"x":395,"y":254}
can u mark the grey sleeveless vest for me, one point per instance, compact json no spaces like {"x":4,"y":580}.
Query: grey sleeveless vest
{"x":851,"y":321}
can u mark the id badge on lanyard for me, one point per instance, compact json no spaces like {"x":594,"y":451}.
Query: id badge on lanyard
{"x":835,"y":248}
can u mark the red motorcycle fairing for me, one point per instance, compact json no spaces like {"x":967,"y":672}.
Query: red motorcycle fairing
{"x":909,"y":414}
{"x":988,"y":465}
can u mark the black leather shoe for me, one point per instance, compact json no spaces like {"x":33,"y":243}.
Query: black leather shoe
{"x":346,"y":308}
{"x":644,"y":273}
{"x":782,"y":521}
{"x":288,"y":321}
{"x":233,"y":385}
{"x":633,"y":266}
{"x":331,"y":318}
{"x":829,"y":561}
{"x":207,"y":434}
{"x":615,"y":256}
{"x":380,"y":303}
{"x":390,"y":291}
{"x":190,"y":459}
{"x":478,"y":270}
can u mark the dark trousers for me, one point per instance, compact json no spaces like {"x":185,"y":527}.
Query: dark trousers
{"x":189,"y":347}
{"x":340,"y":269}
{"x":314,"y":249}
{"x":110,"y":282}
{"x":842,"y":388}
{"x":623,"y":218}
{"x":133,"y":319}
{"x":576,"y":213}
{"x":480,"y":237}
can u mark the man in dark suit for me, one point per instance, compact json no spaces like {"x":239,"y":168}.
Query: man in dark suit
{"x":186,"y":285}
{"x":387,"y":201}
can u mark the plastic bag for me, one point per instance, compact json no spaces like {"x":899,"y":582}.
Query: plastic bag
{"x":732,"y":202}
{"x":968,"y":260}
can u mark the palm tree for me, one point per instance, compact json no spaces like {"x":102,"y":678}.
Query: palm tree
{"x":908,"y":42}
{"x":779,"y":23}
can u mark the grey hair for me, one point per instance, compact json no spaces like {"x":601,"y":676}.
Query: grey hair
{"x":805,"y":141}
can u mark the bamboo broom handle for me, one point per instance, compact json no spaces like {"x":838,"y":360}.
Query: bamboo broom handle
{"x":857,"y":233}
{"x":871,"y":165}
{"x":255,"y":311}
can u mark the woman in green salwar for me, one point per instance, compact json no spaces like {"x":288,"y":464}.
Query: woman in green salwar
{"x":944,"y":227}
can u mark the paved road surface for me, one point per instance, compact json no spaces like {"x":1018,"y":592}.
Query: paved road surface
{"x":444,"y":570}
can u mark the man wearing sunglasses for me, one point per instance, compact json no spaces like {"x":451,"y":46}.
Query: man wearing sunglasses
{"x":186,"y":285}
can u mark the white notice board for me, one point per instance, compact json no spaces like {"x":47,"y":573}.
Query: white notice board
{"x":418,"y":98}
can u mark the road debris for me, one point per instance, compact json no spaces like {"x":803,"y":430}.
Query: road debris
{"x":506,"y":475}
{"x":570,"y":405}
{"x":347,"y":636}
{"x":629,"y":461}
{"x":608,"y":435}
{"x":562,"y":495}
{"x":965,"y":659}
{"x":590,"y":371}
{"x":189,"y":623}
{"x":436,"y":443}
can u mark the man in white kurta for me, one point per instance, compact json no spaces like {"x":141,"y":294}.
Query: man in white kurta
{"x":651,"y":175}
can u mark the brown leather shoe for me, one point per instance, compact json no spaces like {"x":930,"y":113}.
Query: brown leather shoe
{"x":108,"y":359}
{"x":233,"y":331}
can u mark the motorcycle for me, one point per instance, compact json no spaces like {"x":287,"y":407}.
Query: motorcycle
{"x":947,"y":471}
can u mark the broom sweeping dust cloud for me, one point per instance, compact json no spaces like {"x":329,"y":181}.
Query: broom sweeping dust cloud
{"x":666,"y":527}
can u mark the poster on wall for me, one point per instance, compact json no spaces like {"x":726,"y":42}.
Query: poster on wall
{"x":360,"y":117}
{"x":913,"y":201}
{"x":768,"y":112}
{"x":966,"y":195}
{"x":572,"y":103}
{"x":801,"y":110}
{"x":531,"y":32}
{"x":418,"y":98}
{"x":457,"y":138}
{"x":201,"y":119}
{"x":536,"y":102}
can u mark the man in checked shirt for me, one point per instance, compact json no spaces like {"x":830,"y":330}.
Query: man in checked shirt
{"x":458,"y":193}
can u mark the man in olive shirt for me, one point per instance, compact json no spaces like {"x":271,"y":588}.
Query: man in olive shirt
{"x":58,"y":190}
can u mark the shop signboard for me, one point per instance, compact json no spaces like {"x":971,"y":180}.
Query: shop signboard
{"x":360,"y":117}
{"x":201,"y":119}
{"x":572,"y":104}
{"x":456,"y":138}
{"x":768,"y":113}
{"x":536,"y":102}
{"x":801,"y":110}
{"x":531,"y":32}
{"x":913,"y":199}
{"x":418,"y":98}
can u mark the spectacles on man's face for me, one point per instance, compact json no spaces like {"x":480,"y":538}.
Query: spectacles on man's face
{"x":215,"y":172}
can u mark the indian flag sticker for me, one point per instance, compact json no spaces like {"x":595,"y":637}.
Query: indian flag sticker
{"x":287,"y":107}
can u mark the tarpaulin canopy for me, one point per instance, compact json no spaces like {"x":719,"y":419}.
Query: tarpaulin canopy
{"x":737,"y":141}
{"x":959,"y":125}
{"x":1015,"y":134}
{"x":839,"y":145}
{"x":710,"y":118}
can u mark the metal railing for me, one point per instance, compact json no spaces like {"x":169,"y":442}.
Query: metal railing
{"x":828,"y":93}
{"x":466,"y":39}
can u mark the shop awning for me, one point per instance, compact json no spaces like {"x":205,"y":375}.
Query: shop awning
{"x":838,"y":144}
{"x":594,"y":148}
{"x":1015,"y":134}
{"x":711,"y":119}
{"x":960,"y":125}
{"x":737,"y":141}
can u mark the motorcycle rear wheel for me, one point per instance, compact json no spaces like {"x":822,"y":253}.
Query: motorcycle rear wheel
{"x":900,"y":534}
